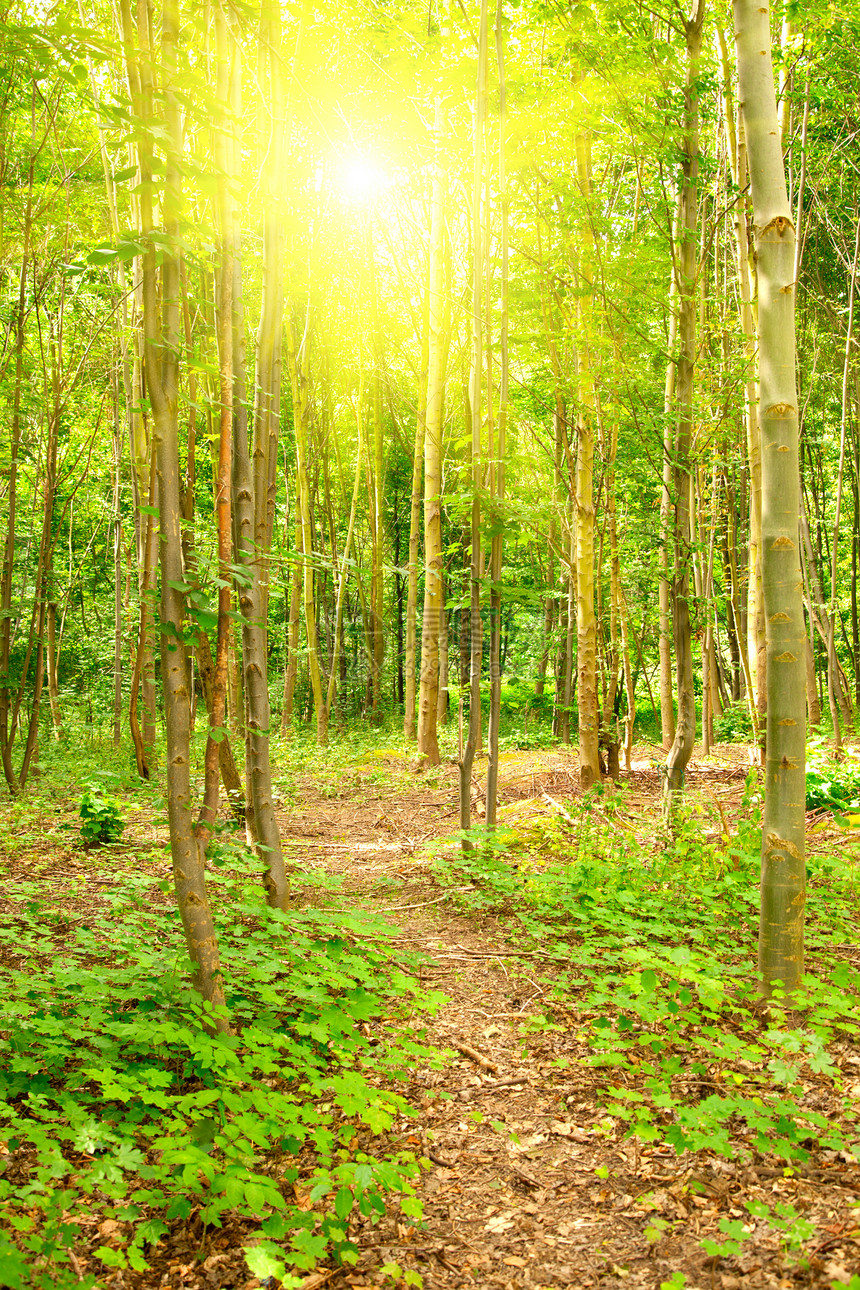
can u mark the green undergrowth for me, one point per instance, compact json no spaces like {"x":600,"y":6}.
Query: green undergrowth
{"x":648,"y":948}
{"x":830,"y":784}
{"x":117,"y":1100}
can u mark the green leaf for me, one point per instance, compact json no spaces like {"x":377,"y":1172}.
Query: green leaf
{"x":264,"y":1262}
{"x":111,"y":1258}
{"x":343,"y":1202}
{"x":14,"y":1267}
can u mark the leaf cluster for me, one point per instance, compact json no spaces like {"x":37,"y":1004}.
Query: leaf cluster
{"x":115,"y":1094}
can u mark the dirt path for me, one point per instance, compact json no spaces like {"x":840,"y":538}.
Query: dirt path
{"x":531,"y":1186}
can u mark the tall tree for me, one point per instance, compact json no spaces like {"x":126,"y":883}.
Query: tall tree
{"x":437,"y":324}
{"x":783,"y":870}
{"x":687,"y":270}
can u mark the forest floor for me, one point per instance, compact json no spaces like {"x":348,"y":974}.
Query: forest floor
{"x":531,"y":1178}
{"x":531,"y":1185}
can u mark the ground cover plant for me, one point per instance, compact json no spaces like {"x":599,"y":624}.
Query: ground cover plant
{"x":120,"y":1102}
{"x":651,"y":950}
{"x":133,"y":1132}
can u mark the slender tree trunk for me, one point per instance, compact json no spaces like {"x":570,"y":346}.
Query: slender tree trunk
{"x":434,"y":600}
{"x":7,"y":576}
{"x":292,"y":665}
{"x":409,"y":662}
{"x":230,"y":777}
{"x":497,"y":468}
{"x":737,"y":154}
{"x":117,"y":571}
{"x":475,"y":400}
{"x":586,"y":623}
{"x":252,"y":481}
{"x":375,"y":456}
{"x":161,"y":346}
{"x":442,"y":696}
{"x":146,"y":583}
{"x":42,"y":587}
{"x":341,"y":584}
{"x":568,"y":670}
{"x":834,"y":553}
{"x":299,"y":364}
{"x":629,"y":685}
{"x":685,"y":732}
{"x":53,"y":665}
{"x":667,"y":694}
{"x":784,"y":822}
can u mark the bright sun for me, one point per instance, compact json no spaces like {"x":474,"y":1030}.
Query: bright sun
{"x":361,"y":178}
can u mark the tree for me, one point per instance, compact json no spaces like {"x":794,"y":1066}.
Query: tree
{"x":784,"y":820}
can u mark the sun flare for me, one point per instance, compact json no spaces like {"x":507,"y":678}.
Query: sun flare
{"x":362,"y":179}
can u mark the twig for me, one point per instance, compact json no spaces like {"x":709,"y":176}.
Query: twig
{"x":440,"y":1160}
{"x":476,"y":1057}
{"x":558,"y":806}
{"x":505,"y":954}
{"x":493,"y":1085}
{"x":394,"y":909}
{"x":319,"y":1279}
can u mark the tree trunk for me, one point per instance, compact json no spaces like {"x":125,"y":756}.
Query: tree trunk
{"x":784,"y":822}
{"x":834,"y":564}
{"x":434,"y":600}
{"x":667,"y":696}
{"x":7,"y":576}
{"x":252,"y":484}
{"x":737,"y":154}
{"x":409,"y":662}
{"x":685,"y":731}
{"x":292,"y":664}
{"x":299,"y":364}
{"x":117,"y":572}
{"x":586,"y":625}
{"x":467,"y":757}
{"x":161,"y":346}
{"x":497,"y":467}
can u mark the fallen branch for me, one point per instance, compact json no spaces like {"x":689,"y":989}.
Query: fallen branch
{"x":394,"y":909}
{"x":492,"y":1085}
{"x":478,"y":1058}
{"x":558,"y":806}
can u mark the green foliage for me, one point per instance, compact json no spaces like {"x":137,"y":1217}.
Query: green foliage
{"x":115,"y":1091}
{"x":101,"y":817}
{"x":735,"y":725}
{"x":831,"y":785}
{"x":652,"y":950}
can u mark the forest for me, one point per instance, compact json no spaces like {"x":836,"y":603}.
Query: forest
{"x":429,"y":644}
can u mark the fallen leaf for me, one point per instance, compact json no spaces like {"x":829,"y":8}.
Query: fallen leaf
{"x":513,"y":1262}
{"x":500,"y":1223}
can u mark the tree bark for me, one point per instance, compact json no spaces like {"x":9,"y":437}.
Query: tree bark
{"x":253,"y":483}
{"x":434,"y":600}
{"x":497,"y":467}
{"x":685,"y":731}
{"x":467,"y":757}
{"x":784,"y":821}
{"x":161,"y":346}
{"x":586,"y":623}
{"x":738,"y":164}
{"x":410,"y":651}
